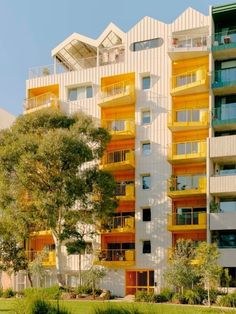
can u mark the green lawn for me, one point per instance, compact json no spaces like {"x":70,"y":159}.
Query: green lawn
{"x":78,"y":307}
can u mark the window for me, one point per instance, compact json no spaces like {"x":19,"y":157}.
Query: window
{"x":146,"y":44}
{"x":146,"y":148}
{"x":146,"y":82}
{"x":146,"y":182}
{"x":226,"y":170}
{"x":147,"y":214}
{"x":228,"y":205}
{"x":146,"y":247}
{"x":146,"y":117}
{"x":80,"y":92}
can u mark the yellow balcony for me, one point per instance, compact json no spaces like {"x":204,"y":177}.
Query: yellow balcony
{"x":191,"y":82}
{"x":116,"y":258}
{"x":119,"y":160}
{"x":187,"y":221}
{"x":48,"y":258}
{"x":120,"y":129}
{"x":119,"y":224}
{"x":47,"y":100}
{"x":186,"y":186}
{"x":186,"y":119}
{"x":125,"y":192}
{"x":118,"y":94}
{"x":187,"y":152}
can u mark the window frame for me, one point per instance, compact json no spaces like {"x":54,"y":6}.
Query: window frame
{"x":146,"y":175}
{"x":83,"y":94}
{"x":142,"y":113}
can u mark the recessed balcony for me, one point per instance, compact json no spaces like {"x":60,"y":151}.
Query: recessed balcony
{"x":119,"y":224}
{"x":188,"y":46}
{"x":224,"y":81}
{"x":191,"y":82}
{"x":120,"y":129}
{"x":48,"y":257}
{"x":118,"y":160}
{"x":186,"y":186}
{"x":224,"y":44}
{"x":187,"y":119}
{"x":224,"y":117}
{"x":184,"y":152}
{"x":186,"y":221}
{"x":118,"y":94}
{"x":115,"y":258}
{"x":47,"y":100}
{"x":125,"y":192}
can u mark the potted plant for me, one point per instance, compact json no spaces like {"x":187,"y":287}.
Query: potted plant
{"x":214,"y":207}
{"x":174,"y":41}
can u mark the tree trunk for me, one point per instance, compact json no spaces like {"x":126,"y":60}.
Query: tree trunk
{"x":30,"y":279}
{"x":208,"y":293}
{"x":93,"y":289}
{"x":80,"y":271}
{"x":59,"y":267}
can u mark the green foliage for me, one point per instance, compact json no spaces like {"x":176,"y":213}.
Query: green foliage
{"x":159,"y":298}
{"x":1,"y":292}
{"x":192,"y":297}
{"x":109,"y":309}
{"x":93,"y":276}
{"x":43,"y":307}
{"x":228,"y":300}
{"x":51,"y":293}
{"x":167,"y":293}
{"x":144,"y":296}
{"x":178,"y":298}
{"x":8,"y":293}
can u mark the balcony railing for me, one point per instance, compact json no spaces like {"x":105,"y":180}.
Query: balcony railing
{"x":42,"y":101}
{"x":48,"y":257}
{"x":120,"y":129}
{"x":125,"y":192}
{"x":224,"y":78}
{"x":45,"y":70}
{"x":189,"y":42}
{"x":185,"y":83}
{"x":188,"y":118}
{"x":187,"y":151}
{"x":115,"y":258}
{"x":118,"y":160}
{"x":224,"y":40}
{"x":187,"y":221}
{"x":189,"y":185}
{"x":226,"y":114}
{"x":119,"y":224}
{"x":121,"y":93}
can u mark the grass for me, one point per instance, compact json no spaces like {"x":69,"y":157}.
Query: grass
{"x":78,"y":307}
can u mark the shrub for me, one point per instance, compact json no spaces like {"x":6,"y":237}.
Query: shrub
{"x":84,"y":290}
{"x":144,"y":296}
{"x":192,"y":297}
{"x":227,"y":300}
{"x":178,"y":298}
{"x":109,"y":309}
{"x":42,"y":307}
{"x":159,"y":298}
{"x":1,"y":292}
{"x":8,"y":293}
{"x":167,"y":293}
{"x":51,"y":293}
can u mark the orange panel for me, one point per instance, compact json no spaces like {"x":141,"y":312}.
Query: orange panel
{"x":39,"y":242}
{"x":189,"y":136}
{"x":124,"y":175}
{"x":191,"y":101}
{"x":194,"y":235}
{"x":199,"y":168}
{"x":124,"y":112}
{"x":125,"y":207}
{"x":117,"y":238}
{"x":189,"y":202}
{"x":120,"y":145}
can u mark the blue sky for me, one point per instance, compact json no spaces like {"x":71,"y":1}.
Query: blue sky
{"x":29,"y":29}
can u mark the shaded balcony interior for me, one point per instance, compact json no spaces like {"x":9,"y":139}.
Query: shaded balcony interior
{"x":224,"y":113}
{"x":225,"y":239}
{"x":189,"y":43}
{"x":41,"y":244}
{"x":117,"y":90}
{"x":78,"y":52}
{"x":125,"y":190}
{"x":120,"y":128}
{"x":224,"y":41}
{"x":187,"y":219}
{"x":118,"y":160}
{"x":120,"y":222}
{"x":224,"y":79}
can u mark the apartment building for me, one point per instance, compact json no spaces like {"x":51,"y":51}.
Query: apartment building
{"x":166,"y":94}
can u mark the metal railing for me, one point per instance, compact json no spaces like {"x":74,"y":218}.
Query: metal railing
{"x":188,"y":77}
{"x":45,"y":70}
{"x":116,"y":255}
{"x":224,"y":38}
{"x":117,"y":89}
{"x":121,"y":125}
{"x":188,"y":116}
{"x":224,"y":114}
{"x":187,"y":42}
{"x":192,"y":218}
{"x":46,"y":99}
{"x":120,"y":222}
{"x":118,"y":156}
{"x":185,"y":183}
{"x":186,"y":149}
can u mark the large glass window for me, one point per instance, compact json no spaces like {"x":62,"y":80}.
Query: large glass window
{"x":80,"y":92}
{"x":225,"y":239}
{"x":147,"y":44}
{"x":227,"y":205}
{"x":226,"y":170}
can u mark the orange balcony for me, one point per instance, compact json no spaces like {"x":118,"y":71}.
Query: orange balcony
{"x":186,"y":119}
{"x":116,"y":258}
{"x":186,"y":186}
{"x":120,"y":129}
{"x":118,"y":94}
{"x":47,"y":100}
{"x":119,"y":224}
{"x":125,"y":192}
{"x":191,"y":82}
{"x":187,"y":152}
{"x":187,"y":221}
{"x":118,"y":160}
{"x":48,"y":258}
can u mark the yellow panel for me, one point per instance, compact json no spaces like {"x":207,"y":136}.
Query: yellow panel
{"x":188,"y":65}
{"x":188,"y":136}
{"x":108,"y":80}
{"x":54,"y":89}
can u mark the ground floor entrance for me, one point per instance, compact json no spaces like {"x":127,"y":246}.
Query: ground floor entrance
{"x":139,"y":280}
